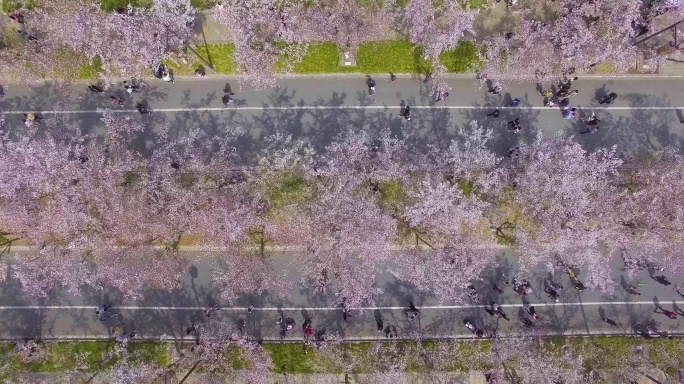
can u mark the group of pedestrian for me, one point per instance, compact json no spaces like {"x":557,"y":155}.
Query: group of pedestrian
{"x":132,"y":86}
{"x":19,"y":19}
{"x":561,"y":98}
{"x":163,"y":72}
{"x":118,"y":330}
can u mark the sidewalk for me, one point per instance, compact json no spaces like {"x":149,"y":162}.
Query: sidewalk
{"x":208,"y":31}
{"x":414,"y":378}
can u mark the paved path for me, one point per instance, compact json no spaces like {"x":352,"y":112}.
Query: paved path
{"x":646,"y":115}
{"x":62,"y":315}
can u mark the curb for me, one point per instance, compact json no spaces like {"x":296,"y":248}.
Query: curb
{"x":460,"y":337}
{"x":412,"y":76}
{"x":192,"y":248}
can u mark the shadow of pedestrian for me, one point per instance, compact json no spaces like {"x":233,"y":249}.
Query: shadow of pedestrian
{"x":623,"y":283}
{"x":662,"y":280}
{"x":656,"y":302}
{"x":676,"y":308}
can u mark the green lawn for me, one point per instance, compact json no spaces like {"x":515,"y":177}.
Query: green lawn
{"x":391,"y":56}
{"x":219,"y":55}
{"x":291,"y":358}
{"x":13,"y":5}
{"x":322,"y":58}
{"x":463,"y":59}
{"x":59,"y":356}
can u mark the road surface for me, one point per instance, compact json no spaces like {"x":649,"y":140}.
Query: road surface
{"x":62,"y":315}
{"x":646,"y":115}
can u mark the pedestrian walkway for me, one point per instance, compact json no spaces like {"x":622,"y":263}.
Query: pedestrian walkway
{"x":413,"y":378}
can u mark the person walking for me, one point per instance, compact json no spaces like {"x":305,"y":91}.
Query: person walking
{"x":590,"y":130}
{"x":515,"y":103}
{"x":593,"y":120}
{"x":167,"y":76}
{"x":101,"y":311}
{"x":406,"y":113}
{"x":95,"y":89}
{"x":210,"y":310}
{"x":553,"y":294}
{"x":192,"y":328}
{"x":609,"y":98}
{"x":371,"y":86}
{"x":496,"y":89}
{"x":226,"y":99}
{"x":142,"y":109}
{"x":442,"y":95}
{"x":346,"y":315}
{"x":514,"y":125}
{"x":569,"y":113}
{"x":495,"y":113}
{"x":513,"y":153}
{"x":412,"y":313}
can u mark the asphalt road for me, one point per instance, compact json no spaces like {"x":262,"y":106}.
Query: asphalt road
{"x":646,"y":115}
{"x":62,"y":315}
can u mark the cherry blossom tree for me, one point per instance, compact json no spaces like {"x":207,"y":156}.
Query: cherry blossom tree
{"x":125,"y":44}
{"x":522,"y":358}
{"x":649,"y":221}
{"x":272,"y":36}
{"x":95,"y":213}
{"x":446,"y":205}
{"x":348,"y":23}
{"x":264,"y":33}
{"x":560,"y":199}
{"x":239,"y":272}
{"x":435,"y":27}
{"x":215,"y":343}
{"x":125,"y":371}
{"x":577,"y":35}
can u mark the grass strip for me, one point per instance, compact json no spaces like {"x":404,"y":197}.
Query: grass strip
{"x":605,"y":353}
{"x":62,"y":356}
{"x":323,"y":58}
